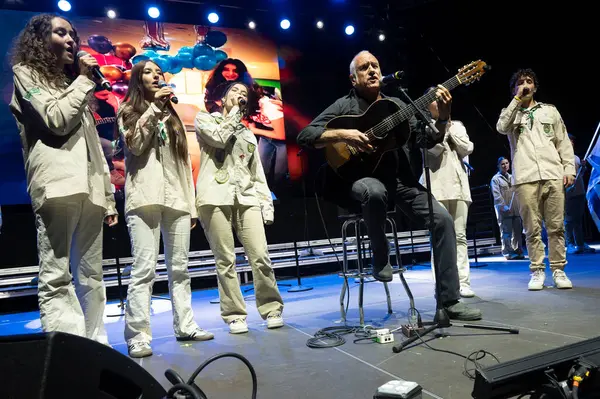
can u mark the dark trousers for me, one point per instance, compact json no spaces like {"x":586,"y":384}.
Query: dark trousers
{"x":574,"y":210}
{"x":412,"y":201}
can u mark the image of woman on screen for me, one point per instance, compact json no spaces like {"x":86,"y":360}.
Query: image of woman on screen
{"x":268,"y":123}
{"x":228,"y":70}
{"x":159,"y":198}
{"x":266,"y":116}
{"x":232,"y":191}
{"x":67,"y":175}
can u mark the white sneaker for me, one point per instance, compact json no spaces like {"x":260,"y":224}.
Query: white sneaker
{"x":140,"y":349}
{"x":238,"y":326}
{"x":197,"y":335}
{"x":537,"y":280}
{"x":561,"y":280}
{"x":274,"y":320}
{"x":466,"y":292}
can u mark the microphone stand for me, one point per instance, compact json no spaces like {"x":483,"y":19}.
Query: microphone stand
{"x":441,"y":319}
{"x":115,"y":251}
{"x":310,"y":251}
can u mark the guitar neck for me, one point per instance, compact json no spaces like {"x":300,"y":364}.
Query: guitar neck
{"x":423,"y":101}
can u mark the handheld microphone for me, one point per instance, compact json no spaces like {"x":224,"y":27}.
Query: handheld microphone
{"x":525,"y":91}
{"x":174,"y":99}
{"x":97,"y":73}
{"x":393,"y":77}
{"x":242,"y":102}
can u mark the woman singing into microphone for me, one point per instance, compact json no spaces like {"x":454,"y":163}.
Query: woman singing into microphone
{"x":232,"y":190}
{"x":159,"y":197}
{"x":67,"y":174}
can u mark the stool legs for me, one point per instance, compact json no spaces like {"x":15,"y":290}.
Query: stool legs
{"x":360,"y":272}
{"x":411,"y":299}
{"x":344,"y":269}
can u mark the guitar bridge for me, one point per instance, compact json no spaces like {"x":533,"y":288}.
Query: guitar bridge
{"x":352,"y":150}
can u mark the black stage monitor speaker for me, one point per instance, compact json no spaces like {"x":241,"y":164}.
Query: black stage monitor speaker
{"x":530,"y":373}
{"x":59,"y":365}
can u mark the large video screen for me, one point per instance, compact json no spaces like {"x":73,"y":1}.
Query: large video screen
{"x":195,"y":59}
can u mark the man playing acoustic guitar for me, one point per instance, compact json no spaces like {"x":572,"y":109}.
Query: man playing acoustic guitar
{"x":395,"y":174}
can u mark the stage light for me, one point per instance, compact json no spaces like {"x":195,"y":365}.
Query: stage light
{"x":213,"y":17}
{"x":381,"y":37}
{"x":64,"y":5}
{"x":320,"y":25}
{"x":285,"y":24}
{"x":111,"y":14}
{"x":349,"y":30}
{"x":153,"y":12}
{"x":251,"y":25}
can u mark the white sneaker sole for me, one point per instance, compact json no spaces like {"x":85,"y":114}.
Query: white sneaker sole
{"x":141,"y":354}
{"x":564,"y":287}
{"x":275,"y":324}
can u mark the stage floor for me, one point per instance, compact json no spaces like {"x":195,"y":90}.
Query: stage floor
{"x":287,"y":368}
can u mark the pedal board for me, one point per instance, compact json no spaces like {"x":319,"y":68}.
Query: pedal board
{"x":383,"y":336}
{"x":410,"y":331}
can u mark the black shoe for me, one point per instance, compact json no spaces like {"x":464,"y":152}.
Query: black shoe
{"x":384,"y":274}
{"x":460,"y":311}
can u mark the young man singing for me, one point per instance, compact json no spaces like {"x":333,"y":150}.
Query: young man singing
{"x":543,"y":165}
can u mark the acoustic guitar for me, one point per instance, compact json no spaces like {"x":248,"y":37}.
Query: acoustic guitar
{"x":385,"y":123}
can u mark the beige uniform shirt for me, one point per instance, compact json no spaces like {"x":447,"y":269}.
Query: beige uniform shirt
{"x":154,"y":175}
{"x":539,"y":145}
{"x":449,"y":179}
{"x":502,"y":191}
{"x":61,"y":148}
{"x":230,"y":167}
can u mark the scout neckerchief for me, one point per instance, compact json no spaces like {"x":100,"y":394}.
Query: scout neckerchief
{"x":162,"y":129}
{"x":529,"y":113}
{"x":506,"y":178}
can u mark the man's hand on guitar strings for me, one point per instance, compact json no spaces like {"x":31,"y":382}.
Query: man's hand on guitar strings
{"x":444,"y":100}
{"x":356,"y":139}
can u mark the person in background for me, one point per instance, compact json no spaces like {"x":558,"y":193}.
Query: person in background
{"x":232,"y":191}
{"x":507,"y":211}
{"x":543,"y":166}
{"x":159,"y":198}
{"x":450,"y":186}
{"x":574,"y":209}
{"x":67,"y":175}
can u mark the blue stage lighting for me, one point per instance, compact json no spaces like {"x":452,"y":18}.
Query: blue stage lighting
{"x":285,"y":24}
{"x":349,"y":30}
{"x":64,"y":5}
{"x":213,"y":17}
{"x":153,"y":12}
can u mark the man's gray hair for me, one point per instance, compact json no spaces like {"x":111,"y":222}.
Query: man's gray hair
{"x":353,"y":63}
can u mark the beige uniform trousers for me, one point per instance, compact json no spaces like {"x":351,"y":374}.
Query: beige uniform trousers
{"x":459,"y":210}
{"x":544,"y":201}
{"x":69,"y":233}
{"x":247,"y":221}
{"x":145,"y":225}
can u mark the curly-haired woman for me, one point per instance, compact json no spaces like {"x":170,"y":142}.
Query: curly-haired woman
{"x":67,"y":175}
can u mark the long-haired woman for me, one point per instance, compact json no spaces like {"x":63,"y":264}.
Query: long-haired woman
{"x":67,"y":174}
{"x":232,"y":190}
{"x":159,"y":197}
